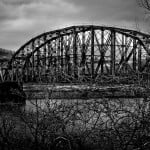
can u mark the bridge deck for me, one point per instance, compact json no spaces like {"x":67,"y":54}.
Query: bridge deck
{"x":57,"y":91}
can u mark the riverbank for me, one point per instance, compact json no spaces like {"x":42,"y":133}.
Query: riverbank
{"x":86,"y":91}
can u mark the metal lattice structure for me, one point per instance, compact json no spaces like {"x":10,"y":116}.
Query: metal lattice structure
{"x":81,"y":53}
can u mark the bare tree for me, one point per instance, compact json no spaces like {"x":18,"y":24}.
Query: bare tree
{"x":145,"y":4}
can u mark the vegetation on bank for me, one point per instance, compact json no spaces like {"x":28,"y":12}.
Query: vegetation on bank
{"x":106,"y":124}
{"x":5,"y":55}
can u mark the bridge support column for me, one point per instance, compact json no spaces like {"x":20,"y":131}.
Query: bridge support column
{"x":112,"y":65}
{"x":67,"y":61}
{"x":134,"y":54}
{"x":122,"y":54}
{"x":139,"y":58}
{"x":61,"y":55}
{"x":58,"y":59}
{"x":75,"y":62}
{"x":102,"y":51}
{"x":38,"y":63}
{"x":44,"y":63}
{"x":83,"y":55}
{"x":92,"y":52}
{"x":33,"y":73}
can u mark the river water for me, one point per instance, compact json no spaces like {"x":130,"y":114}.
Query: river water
{"x":81,"y":114}
{"x":84,"y":106}
{"x":131,"y":103}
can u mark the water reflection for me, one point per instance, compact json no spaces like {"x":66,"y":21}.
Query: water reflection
{"x":51,"y":103}
{"x":43,"y":104}
{"x":31,"y":105}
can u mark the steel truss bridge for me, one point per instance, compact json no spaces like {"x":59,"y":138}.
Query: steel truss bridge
{"x":81,"y":54}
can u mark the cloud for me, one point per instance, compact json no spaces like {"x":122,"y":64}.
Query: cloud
{"x":21,"y":20}
{"x":16,"y":2}
{"x":108,"y":10}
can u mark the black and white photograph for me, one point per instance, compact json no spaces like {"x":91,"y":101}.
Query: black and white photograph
{"x":74,"y":74}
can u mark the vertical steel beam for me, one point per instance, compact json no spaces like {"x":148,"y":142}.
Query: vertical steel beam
{"x":55,"y":58}
{"x":62,"y":59}
{"x":75,"y":54}
{"x":58,"y":49}
{"x":38,"y":62}
{"x":69,"y":63}
{"x":139,"y":58}
{"x":123,"y":52}
{"x":33,"y":73}
{"x":27,"y":71}
{"x":12,"y":68}
{"x":92,"y":52}
{"x":83,"y":55}
{"x":112,"y":65}
{"x":102,"y":51}
{"x":45,"y":51}
{"x":67,"y":58}
{"x":123,"y":47}
{"x":49,"y":56}
{"x":51,"y":60}
{"x":58,"y":54}
{"x":21,"y":71}
{"x":134,"y":54}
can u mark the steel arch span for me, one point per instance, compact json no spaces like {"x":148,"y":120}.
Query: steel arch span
{"x":81,"y":53}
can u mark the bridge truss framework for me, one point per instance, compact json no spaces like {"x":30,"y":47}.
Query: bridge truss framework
{"x":80,"y":54}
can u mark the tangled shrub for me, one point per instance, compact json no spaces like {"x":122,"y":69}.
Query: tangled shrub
{"x":119,"y":124}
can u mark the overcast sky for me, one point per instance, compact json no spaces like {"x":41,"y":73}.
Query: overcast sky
{"x":20,"y":20}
